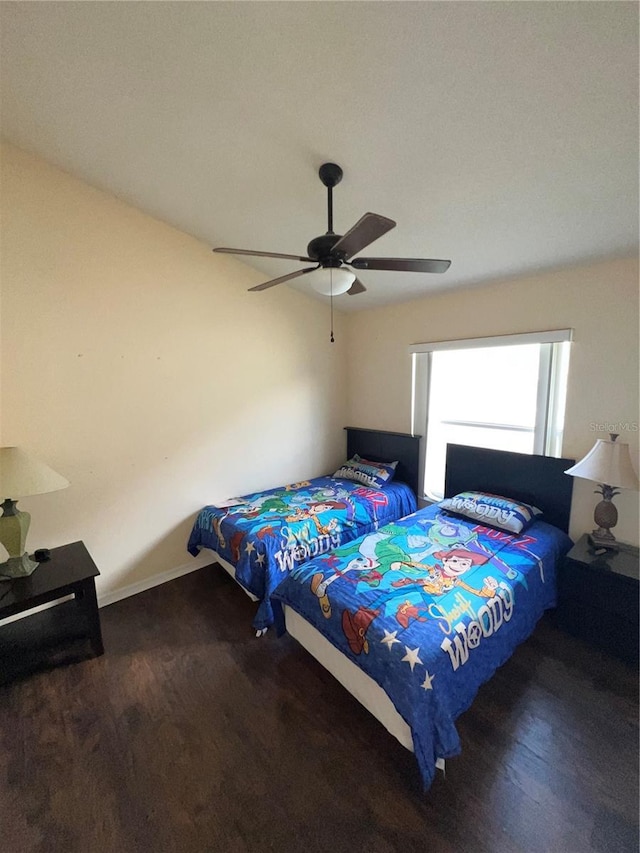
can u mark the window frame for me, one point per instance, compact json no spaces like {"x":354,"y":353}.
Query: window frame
{"x":551,"y":392}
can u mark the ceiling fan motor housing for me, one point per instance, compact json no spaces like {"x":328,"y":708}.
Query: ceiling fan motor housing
{"x":320,"y":250}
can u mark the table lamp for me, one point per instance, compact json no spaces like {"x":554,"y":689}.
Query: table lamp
{"x":608,"y":463}
{"x":21,"y":475}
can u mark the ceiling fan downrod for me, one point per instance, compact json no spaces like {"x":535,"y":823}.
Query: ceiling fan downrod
{"x":330,"y":175}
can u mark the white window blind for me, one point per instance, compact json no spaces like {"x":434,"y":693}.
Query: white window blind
{"x":505,"y":392}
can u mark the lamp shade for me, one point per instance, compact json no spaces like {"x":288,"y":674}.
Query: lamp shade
{"x":22,"y":475}
{"x":609,"y":463}
{"x":331,"y":280}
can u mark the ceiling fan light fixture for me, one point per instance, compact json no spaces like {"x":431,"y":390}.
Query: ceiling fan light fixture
{"x":331,"y":280}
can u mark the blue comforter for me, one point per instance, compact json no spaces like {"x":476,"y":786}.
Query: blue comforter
{"x":269,"y":533}
{"x":430,"y":606}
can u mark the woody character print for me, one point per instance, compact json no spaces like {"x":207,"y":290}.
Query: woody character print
{"x":442,"y":579}
{"x":314,"y":515}
{"x":438,"y":580}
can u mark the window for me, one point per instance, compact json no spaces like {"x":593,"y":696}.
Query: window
{"x":506,"y":393}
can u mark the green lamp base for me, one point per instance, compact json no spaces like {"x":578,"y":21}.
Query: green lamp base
{"x":14,"y":526}
{"x":18,"y":567}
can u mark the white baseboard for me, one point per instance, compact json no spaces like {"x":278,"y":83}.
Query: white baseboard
{"x":204,"y":558}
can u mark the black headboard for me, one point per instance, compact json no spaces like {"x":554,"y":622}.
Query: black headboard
{"x":382,"y":446}
{"x":537,"y":480}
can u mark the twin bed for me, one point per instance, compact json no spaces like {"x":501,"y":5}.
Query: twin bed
{"x":258,"y":538}
{"x":414,"y":614}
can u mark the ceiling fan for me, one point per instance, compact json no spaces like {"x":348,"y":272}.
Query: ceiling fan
{"x":333,"y":253}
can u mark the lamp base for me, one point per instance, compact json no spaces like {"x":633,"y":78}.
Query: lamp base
{"x":18,"y":567}
{"x":608,"y":541}
{"x":14,"y":526}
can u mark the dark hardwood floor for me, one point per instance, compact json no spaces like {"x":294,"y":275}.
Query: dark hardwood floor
{"x":191,"y":735}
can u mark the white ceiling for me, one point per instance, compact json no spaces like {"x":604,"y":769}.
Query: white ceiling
{"x":501,"y":135}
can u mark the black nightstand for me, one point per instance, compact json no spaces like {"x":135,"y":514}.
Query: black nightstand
{"x":39,"y":639}
{"x":598,"y":597}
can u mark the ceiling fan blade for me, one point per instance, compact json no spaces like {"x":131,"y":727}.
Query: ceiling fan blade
{"x":367,"y":229}
{"x":282,"y":278}
{"x":401,"y":264}
{"x":356,"y":287}
{"x":263,"y":254}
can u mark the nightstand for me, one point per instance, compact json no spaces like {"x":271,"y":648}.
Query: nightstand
{"x":38,"y":639}
{"x":598,"y":597}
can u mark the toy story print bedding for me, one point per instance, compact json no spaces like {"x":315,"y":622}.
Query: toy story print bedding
{"x":429,"y":607}
{"x":266,"y":534}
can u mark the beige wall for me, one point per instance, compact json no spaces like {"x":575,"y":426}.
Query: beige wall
{"x":599,"y":301}
{"x":136,"y":364}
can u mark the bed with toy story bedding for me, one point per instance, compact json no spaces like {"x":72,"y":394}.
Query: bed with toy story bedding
{"x":413,"y":618}
{"x":259,"y":537}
